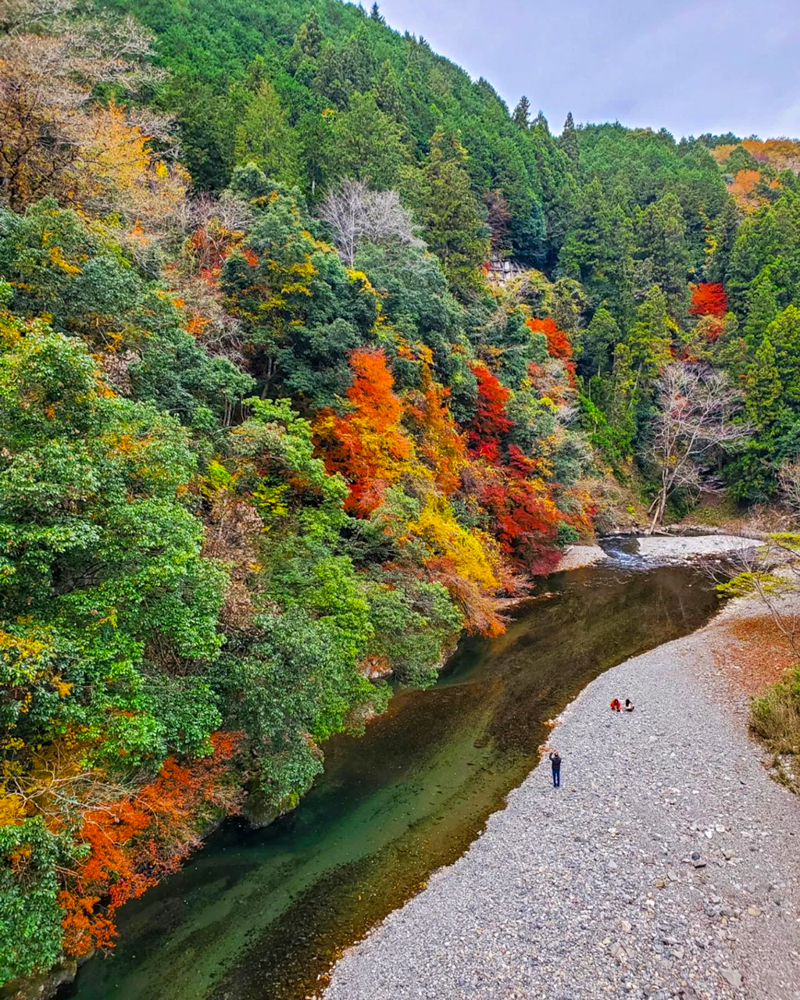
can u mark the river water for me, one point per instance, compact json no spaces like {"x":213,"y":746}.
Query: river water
{"x":262,"y":915}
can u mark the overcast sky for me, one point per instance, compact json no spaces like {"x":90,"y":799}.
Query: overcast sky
{"x":691,"y":66}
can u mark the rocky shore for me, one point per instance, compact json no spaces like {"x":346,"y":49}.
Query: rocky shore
{"x":667,"y":864}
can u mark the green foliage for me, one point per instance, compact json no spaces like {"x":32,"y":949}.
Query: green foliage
{"x":177,"y":556}
{"x":97,"y":545}
{"x":450,"y":214}
{"x":30,"y":917}
{"x":413,"y":623}
{"x":300,"y":309}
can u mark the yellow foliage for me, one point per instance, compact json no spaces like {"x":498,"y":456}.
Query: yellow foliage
{"x":470,"y":552}
{"x":57,"y":257}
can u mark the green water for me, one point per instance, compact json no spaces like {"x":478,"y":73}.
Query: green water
{"x":261,"y":915}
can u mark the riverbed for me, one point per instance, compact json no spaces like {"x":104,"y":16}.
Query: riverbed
{"x":664,"y":866}
{"x":264,"y":914}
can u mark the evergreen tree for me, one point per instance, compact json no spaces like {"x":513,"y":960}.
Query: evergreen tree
{"x":624,"y":399}
{"x":722,"y":240}
{"x":522,"y":113}
{"x":455,"y":229}
{"x":650,"y":339}
{"x":307,"y":42}
{"x":784,"y":335}
{"x":265,"y":138}
{"x":753,"y":474}
{"x":597,"y":342}
{"x":598,"y":250}
{"x":762,"y":307}
{"x":662,"y":251}
{"x":569,"y":140}
{"x":388,"y":93}
{"x":559,"y":190}
{"x":367,"y":144}
{"x":375,"y":14}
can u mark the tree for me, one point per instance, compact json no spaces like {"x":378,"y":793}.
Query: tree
{"x":52,"y":64}
{"x":752,"y":474}
{"x":789,"y":480}
{"x":597,"y":342}
{"x":522,"y":113}
{"x":368,"y":446}
{"x":375,"y":14}
{"x":708,"y":299}
{"x":359,"y":215}
{"x":264,"y":137}
{"x":366,"y":143}
{"x":558,"y":187}
{"x":662,"y":251}
{"x":784,"y":334}
{"x":569,"y":140}
{"x":450,"y":214}
{"x":696,"y":407}
{"x":762,"y":307}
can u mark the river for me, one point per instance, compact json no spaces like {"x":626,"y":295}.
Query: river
{"x":262,"y":915}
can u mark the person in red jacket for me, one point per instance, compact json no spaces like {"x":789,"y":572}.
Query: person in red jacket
{"x":616,"y":706}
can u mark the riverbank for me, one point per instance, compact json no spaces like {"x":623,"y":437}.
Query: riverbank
{"x":666,"y":865}
{"x":662,"y":549}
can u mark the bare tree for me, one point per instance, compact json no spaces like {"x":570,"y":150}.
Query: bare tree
{"x":770,"y":573}
{"x":695,"y":410}
{"x":789,"y":480}
{"x":51,"y":60}
{"x":356,"y":215}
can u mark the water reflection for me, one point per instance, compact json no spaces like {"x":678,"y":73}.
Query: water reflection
{"x":262,"y":914}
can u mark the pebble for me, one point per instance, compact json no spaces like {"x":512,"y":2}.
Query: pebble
{"x":631,"y":885}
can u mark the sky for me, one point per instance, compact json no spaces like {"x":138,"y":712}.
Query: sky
{"x":691,"y":66}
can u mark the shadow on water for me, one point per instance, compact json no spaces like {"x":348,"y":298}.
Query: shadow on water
{"x":261,"y":915}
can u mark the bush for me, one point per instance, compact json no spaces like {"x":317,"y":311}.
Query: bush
{"x":775,"y":716}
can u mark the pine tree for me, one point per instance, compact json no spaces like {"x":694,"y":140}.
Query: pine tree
{"x":722,"y":238}
{"x":784,"y":334}
{"x":569,"y":140}
{"x":762,"y":307}
{"x":753,"y":475}
{"x":264,"y":137}
{"x":454,"y":226}
{"x":559,"y":189}
{"x":522,"y":113}
{"x":763,"y":388}
{"x":662,"y":251}
{"x":597,"y":342}
{"x":375,"y":14}
{"x":650,"y":339}
{"x":307,"y":42}
{"x":388,"y":93}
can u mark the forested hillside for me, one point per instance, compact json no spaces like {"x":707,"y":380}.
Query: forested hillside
{"x":311,"y":354}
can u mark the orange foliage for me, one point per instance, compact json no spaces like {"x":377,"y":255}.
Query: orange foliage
{"x":782,"y":154}
{"x":558,"y":345}
{"x":440,"y":442}
{"x":490,"y":423}
{"x":708,"y":299}
{"x":368,"y":446}
{"x":135,"y":841}
{"x":744,"y":189}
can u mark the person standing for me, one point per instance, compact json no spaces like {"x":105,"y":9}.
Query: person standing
{"x":555,"y":763}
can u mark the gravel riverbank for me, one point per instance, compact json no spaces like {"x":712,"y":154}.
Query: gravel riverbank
{"x":667,"y":864}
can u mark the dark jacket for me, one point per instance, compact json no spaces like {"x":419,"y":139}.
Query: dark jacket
{"x":555,"y":761}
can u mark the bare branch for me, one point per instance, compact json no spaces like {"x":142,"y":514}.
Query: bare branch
{"x":696,"y":407}
{"x":358,"y":215}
